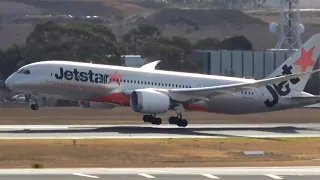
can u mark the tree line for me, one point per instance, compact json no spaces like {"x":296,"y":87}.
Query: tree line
{"x":86,"y":42}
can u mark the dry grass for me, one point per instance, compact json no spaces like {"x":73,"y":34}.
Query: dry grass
{"x":125,"y":115}
{"x":158,"y":152}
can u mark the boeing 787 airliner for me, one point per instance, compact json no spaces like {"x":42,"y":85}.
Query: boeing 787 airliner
{"x":153,"y":92}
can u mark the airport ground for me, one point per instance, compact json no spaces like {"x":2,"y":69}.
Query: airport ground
{"x":155,"y":152}
{"x":124,"y":115}
{"x":134,"y":153}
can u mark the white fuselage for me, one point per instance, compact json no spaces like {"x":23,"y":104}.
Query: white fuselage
{"x":98,"y":83}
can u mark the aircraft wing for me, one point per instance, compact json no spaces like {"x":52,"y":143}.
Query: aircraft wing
{"x":232,"y":88}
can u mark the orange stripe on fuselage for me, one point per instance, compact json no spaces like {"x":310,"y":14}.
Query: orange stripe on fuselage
{"x":124,"y":100}
{"x":117,"y":98}
{"x":195,"y":107}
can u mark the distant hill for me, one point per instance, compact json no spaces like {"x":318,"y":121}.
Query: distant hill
{"x":197,"y":24}
{"x":193,"y":23}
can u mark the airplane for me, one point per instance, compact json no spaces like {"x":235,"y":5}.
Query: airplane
{"x":152,"y":92}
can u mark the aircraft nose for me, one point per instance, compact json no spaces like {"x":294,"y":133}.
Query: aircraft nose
{"x":10,"y":83}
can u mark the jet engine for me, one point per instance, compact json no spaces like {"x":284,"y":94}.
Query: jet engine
{"x":96,"y":105}
{"x":149,"y":101}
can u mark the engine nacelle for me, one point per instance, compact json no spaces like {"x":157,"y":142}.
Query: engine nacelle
{"x":96,"y":105}
{"x":149,"y":101}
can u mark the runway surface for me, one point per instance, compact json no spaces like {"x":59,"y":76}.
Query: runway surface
{"x":245,"y":173}
{"x":161,"y":131}
{"x":161,"y":177}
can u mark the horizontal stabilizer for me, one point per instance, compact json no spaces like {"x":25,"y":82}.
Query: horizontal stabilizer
{"x":303,"y":98}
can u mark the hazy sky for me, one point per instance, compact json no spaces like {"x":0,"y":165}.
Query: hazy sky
{"x":310,"y":3}
{"x":305,"y":3}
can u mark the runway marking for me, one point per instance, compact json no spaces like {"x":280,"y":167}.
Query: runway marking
{"x":274,"y":176}
{"x":146,"y":175}
{"x":85,"y":175}
{"x":210,"y":176}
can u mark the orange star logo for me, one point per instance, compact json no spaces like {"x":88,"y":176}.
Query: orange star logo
{"x":306,"y":59}
{"x":115,"y":77}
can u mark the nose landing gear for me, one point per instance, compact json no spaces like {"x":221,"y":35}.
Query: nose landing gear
{"x":33,"y":102}
{"x":34,"y":107}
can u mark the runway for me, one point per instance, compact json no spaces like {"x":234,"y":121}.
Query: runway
{"x":243,"y":173}
{"x":161,"y":131}
{"x":161,"y":177}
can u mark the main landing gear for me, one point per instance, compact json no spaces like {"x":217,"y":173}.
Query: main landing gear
{"x":172,"y":120}
{"x":178,"y":108}
{"x":152,"y":119}
{"x":178,"y":121}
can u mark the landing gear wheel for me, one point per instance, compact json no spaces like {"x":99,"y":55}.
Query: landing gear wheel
{"x":147,"y":118}
{"x":173,"y":120}
{"x":182,"y":123}
{"x":157,"y":121}
{"x":34,"y":107}
{"x":152,"y":119}
{"x":178,"y":121}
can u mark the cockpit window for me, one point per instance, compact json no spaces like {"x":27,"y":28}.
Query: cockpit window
{"x":23,"y":71}
{"x":26,"y":71}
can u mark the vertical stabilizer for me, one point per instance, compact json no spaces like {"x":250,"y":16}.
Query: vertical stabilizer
{"x":301,"y":61}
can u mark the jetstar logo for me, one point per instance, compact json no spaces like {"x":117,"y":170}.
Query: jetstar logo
{"x":306,"y":59}
{"x":88,"y":76}
{"x":283,"y":88}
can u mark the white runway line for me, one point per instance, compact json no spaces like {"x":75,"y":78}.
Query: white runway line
{"x":85,"y":175}
{"x":210,"y":176}
{"x":274,"y":176}
{"x":146,"y":175}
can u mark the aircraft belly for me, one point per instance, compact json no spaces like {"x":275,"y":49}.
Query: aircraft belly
{"x":227,"y":104}
{"x":71,"y":91}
